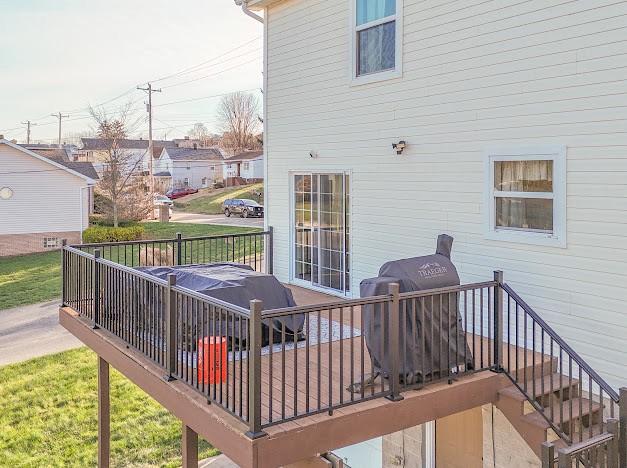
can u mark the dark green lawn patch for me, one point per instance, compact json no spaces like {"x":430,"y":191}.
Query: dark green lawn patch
{"x":27,"y":279}
{"x":49,"y":417}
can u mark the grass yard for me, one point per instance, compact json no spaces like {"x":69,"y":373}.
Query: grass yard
{"x":28,"y":279}
{"x":49,"y":417}
{"x":212,"y":204}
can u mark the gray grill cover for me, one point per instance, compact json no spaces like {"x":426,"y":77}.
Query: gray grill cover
{"x":236,"y":284}
{"x":445,"y":346}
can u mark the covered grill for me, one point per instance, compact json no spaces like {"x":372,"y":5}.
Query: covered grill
{"x":238,"y":284}
{"x":433,"y":345}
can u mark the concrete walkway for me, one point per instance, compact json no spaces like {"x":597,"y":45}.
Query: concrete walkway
{"x":220,"y":219}
{"x":32,"y":331}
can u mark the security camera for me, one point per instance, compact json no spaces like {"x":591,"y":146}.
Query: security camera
{"x":399,"y":147}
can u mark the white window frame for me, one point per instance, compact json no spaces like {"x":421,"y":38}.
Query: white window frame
{"x":292,"y":251}
{"x":397,"y":71}
{"x":555,"y":153}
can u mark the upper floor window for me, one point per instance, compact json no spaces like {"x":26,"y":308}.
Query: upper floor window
{"x":376,"y":39}
{"x":527,"y":195}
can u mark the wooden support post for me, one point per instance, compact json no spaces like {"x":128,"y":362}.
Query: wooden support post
{"x":104,"y":414}
{"x":190,"y":447}
{"x":254,"y":371}
{"x":613,"y":445}
{"x":393,"y":338}
{"x":548,"y":455}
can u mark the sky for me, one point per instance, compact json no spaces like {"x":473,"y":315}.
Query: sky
{"x":65,"y":55}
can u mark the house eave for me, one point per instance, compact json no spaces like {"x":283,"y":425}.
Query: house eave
{"x":261,"y":4}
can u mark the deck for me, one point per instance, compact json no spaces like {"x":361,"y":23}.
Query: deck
{"x":303,"y":383}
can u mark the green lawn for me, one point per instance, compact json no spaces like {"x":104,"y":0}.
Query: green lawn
{"x":49,"y":417}
{"x":28,"y":279}
{"x":212,"y":204}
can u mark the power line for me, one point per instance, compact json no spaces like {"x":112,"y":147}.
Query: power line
{"x":200,"y":65}
{"x":205,"y":97}
{"x":212,"y":74}
{"x":149,"y":89}
{"x":60,"y":116}
{"x":28,"y":124}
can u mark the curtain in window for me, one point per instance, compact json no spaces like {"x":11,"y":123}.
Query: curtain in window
{"x":523,"y":176}
{"x":372,"y":10}
{"x":377,"y":48}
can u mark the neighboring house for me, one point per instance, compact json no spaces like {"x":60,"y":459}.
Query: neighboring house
{"x":188,"y":167}
{"x":95,"y":150}
{"x":43,"y":200}
{"x":514,"y":143}
{"x":246,"y":166}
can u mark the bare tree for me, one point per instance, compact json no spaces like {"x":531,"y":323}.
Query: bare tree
{"x":121,"y":181}
{"x":238,"y":116}
{"x":199,"y":132}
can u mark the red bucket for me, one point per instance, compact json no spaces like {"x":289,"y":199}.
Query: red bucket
{"x":212,"y":359}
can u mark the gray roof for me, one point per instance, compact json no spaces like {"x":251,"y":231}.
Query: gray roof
{"x":246,"y":156}
{"x":56,"y":154}
{"x":163,"y":174}
{"x":190,"y":154}
{"x":105,"y":143}
{"x":82,"y":167}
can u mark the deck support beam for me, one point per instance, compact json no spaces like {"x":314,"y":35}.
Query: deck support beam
{"x":104,"y":414}
{"x":190,"y":447}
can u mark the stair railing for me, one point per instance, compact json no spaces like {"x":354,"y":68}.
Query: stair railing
{"x":599,"y":451}
{"x":573,"y":399}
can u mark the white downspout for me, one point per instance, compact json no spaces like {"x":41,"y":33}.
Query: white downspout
{"x":244,"y":5}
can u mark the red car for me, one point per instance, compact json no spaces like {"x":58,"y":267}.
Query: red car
{"x":180,"y":192}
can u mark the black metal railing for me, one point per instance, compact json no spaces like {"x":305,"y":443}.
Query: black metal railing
{"x":253,"y":249}
{"x":271,"y":366}
{"x":551,"y":368}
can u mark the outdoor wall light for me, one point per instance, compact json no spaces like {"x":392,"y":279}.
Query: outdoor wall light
{"x":313,"y":154}
{"x":399,"y":147}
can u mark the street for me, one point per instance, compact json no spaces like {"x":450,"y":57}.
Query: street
{"x":31,"y":331}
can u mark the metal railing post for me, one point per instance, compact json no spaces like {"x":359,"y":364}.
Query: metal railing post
{"x":393,"y":343}
{"x":548,"y":455}
{"x":564,"y":460}
{"x":179,"y":248}
{"x":254,"y":371}
{"x":270,"y":251}
{"x":614,"y":444}
{"x":170,"y":325}
{"x":63,"y":272}
{"x":498,"y":321}
{"x":622,"y":427}
{"x":96,"y":289}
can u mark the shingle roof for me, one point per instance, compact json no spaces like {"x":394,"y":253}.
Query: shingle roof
{"x":190,"y":154}
{"x":82,"y":167}
{"x":246,"y":156}
{"x":104,"y":143}
{"x":56,"y":154}
{"x":163,"y":174}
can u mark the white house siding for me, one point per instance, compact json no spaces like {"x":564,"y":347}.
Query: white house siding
{"x":45,"y":198}
{"x":195,"y":172}
{"x":475,"y":74}
{"x":254,"y":170}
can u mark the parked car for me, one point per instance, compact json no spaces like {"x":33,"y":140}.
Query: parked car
{"x":173,"y":194}
{"x":242,"y":206}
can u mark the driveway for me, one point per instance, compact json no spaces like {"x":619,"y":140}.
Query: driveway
{"x":31,"y":331}
{"x":216,"y":219}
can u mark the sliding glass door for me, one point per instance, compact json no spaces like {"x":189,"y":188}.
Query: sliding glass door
{"x":321,"y":231}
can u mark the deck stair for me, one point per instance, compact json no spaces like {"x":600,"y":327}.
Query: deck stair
{"x":565,"y":412}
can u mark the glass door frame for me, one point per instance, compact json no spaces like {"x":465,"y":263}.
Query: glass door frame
{"x":347,"y":226}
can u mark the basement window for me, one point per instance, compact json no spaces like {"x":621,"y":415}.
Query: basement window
{"x":376,"y":40}
{"x":525,"y":195}
{"x":51,"y":242}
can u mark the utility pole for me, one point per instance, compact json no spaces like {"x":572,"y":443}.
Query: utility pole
{"x":59,"y":116}
{"x":149,"y":89}
{"x":28,"y":124}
